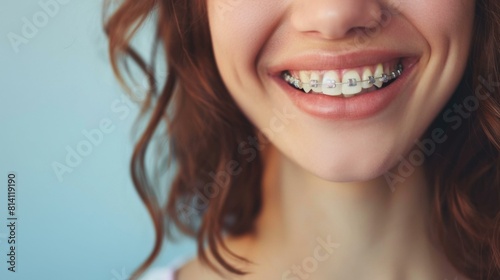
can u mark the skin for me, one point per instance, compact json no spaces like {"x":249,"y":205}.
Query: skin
{"x":327,"y":179}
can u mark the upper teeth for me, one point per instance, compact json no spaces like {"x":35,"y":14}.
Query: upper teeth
{"x":351,"y":82}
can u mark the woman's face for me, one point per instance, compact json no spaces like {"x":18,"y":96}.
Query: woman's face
{"x":345,"y":128}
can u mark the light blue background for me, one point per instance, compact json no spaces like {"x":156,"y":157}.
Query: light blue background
{"x":90,"y":224}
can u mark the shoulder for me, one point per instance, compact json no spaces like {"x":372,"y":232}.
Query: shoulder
{"x":194,"y":268}
{"x":198,"y":269}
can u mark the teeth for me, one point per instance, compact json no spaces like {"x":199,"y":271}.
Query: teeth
{"x":350,"y":83}
{"x":387,"y":70}
{"x":379,"y":71}
{"x":330,"y":87}
{"x":315,"y":82}
{"x":367,"y":73}
{"x":305,"y":77}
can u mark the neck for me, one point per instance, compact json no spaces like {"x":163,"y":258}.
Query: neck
{"x":371,"y":224}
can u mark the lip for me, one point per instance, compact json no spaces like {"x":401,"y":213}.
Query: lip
{"x":319,"y":60}
{"x":337,"y":107}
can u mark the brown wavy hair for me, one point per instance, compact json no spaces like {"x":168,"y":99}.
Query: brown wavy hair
{"x":209,"y":197}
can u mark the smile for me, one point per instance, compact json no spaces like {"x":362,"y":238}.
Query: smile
{"x":348,"y":82}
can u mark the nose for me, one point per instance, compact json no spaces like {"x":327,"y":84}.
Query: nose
{"x":334,"y":19}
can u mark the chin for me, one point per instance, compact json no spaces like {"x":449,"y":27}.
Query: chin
{"x":343,"y":165}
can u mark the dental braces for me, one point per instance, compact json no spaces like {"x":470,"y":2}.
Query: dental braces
{"x":351,"y":82}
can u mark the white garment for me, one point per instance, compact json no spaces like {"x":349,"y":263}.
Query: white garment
{"x":160,"y":274}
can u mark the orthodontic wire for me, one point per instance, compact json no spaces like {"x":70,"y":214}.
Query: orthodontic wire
{"x":352,"y":82}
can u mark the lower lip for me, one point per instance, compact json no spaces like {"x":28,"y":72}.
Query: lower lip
{"x":351,"y":108}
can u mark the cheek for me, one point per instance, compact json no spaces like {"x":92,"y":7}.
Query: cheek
{"x":446,"y":27}
{"x":239,"y":21}
{"x":441,"y":20}
{"x":239,"y":30}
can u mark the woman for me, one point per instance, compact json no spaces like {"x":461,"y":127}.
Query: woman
{"x":325,"y":139}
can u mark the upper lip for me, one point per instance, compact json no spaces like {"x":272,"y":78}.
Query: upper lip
{"x":324,"y":60}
